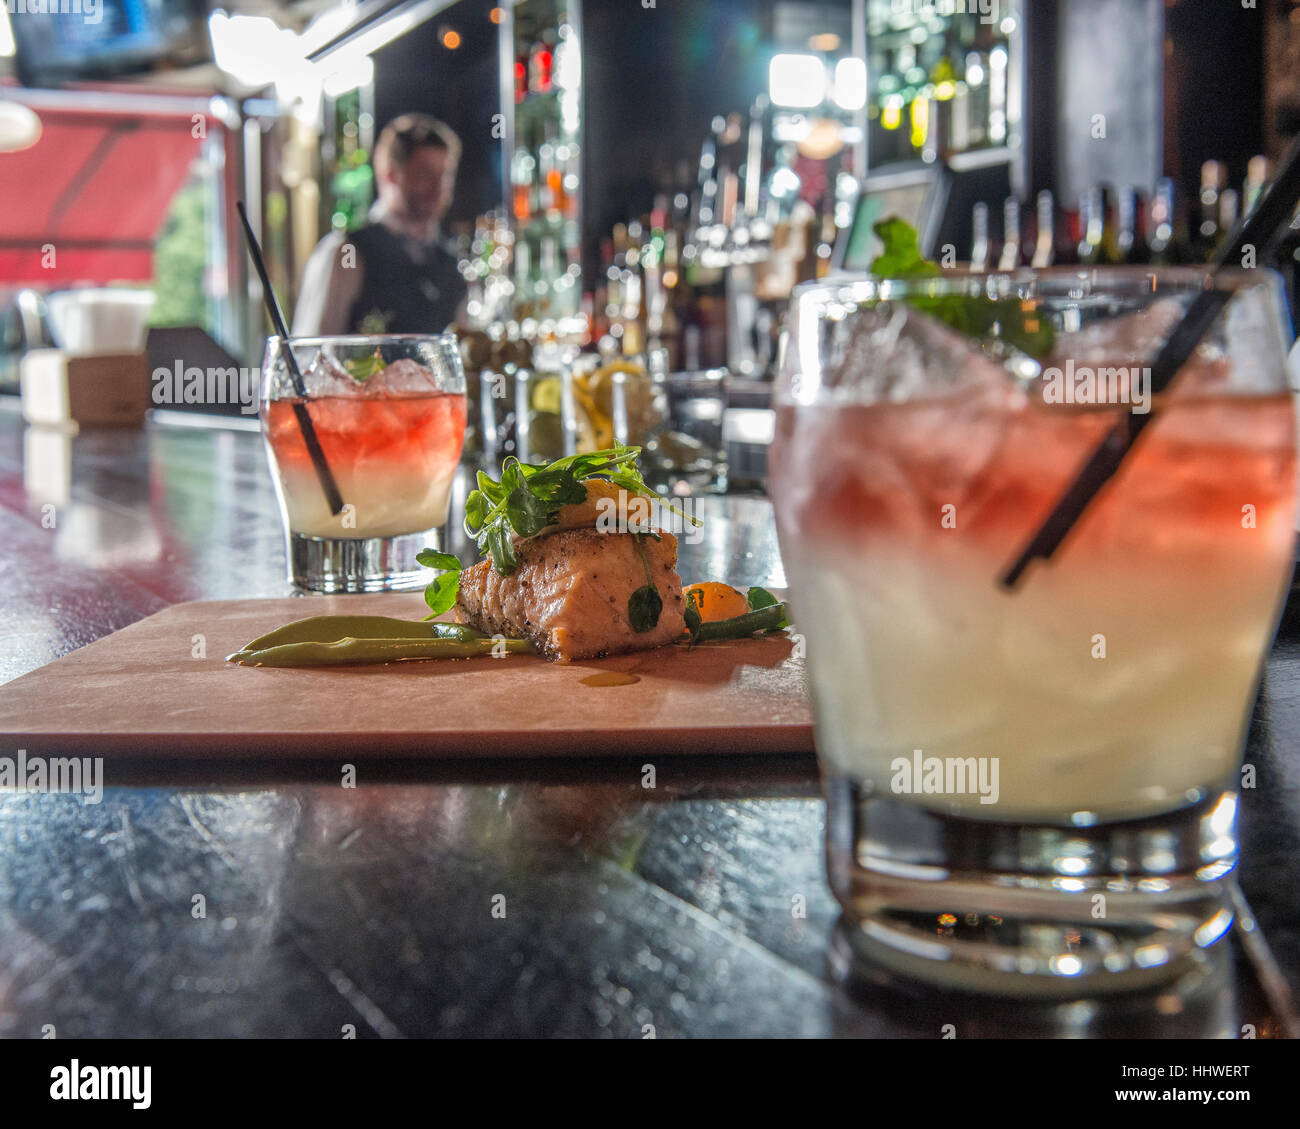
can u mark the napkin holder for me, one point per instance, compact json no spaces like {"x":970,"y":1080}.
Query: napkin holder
{"x":97,"y":390}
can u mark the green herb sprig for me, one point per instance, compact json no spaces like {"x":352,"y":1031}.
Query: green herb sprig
{"x":528,"y":496}
{"x":1000,"y":319}
{"x":440,"y":595}
{"x":645,"y":605}
{"x":362,"y":369}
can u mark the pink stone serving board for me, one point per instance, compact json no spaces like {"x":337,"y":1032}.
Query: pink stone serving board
{"x":141,"y":692}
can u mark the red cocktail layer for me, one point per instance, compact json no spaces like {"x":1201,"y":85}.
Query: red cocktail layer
{"x":393,"y":461}
{"x":423,"y":434}
{"x":1207,"y":474}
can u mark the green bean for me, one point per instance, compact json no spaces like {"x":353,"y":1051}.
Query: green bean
{"x":743,"y":626}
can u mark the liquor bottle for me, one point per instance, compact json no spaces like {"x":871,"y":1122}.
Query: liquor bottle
{"x":597,"y":301}
{"x":1161,"y":243}
{"x":521,"y":77}
{"x":1045,"y":243}
{"x":613,"y":255}
{"x":547,"y":180}
{"x":572,"y":177}
{"x":753,"y":167}
{"x":977,"y":82}
{"x":708,"y":183}
{"x":521,"y":177}
{"x":1129,"y":242}
{"x":1257,"y":170}
{"x":826,"y":244}
{"x":1213,"y":178}
{"x":541,"y":64}
{"x":635,"y":314}
{"x":961,"y":117}
{"x":980,"y":251}
{"x":634,"y":236}
{"x":1010,"y":257}
{"x":1229,"y":211}
{"x":1089,"y":248}
{"x":1095,"y":248}
{"x":620,"y":246}
{"x":674,"y":298}
{"x":943,"y":78}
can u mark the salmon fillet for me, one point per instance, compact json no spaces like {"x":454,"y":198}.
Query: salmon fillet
{"x":569,"y":594}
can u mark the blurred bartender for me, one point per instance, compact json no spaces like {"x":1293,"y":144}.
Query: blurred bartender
{"x":395,"y":274}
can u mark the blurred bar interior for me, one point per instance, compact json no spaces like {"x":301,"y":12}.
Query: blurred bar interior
{"x":641,"y":186}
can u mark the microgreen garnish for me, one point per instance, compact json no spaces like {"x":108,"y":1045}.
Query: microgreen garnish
{"x":528,"y":496}
{"x":1000,"y":319}
{"x":645,"y":604}
{"x":440,"y":595}
{"x":362,"y":369}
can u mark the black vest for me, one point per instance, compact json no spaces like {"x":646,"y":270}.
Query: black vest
{"x":399,"y":294}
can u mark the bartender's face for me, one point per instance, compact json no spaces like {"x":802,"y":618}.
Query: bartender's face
{"x":420,"y":187}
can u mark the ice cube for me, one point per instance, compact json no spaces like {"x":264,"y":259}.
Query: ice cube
{"x":956,"y":405}
{"x":325,"y":376}
{"x":1130,"y":339}
{"x":894,"y":352}
{"x":402,"y":379}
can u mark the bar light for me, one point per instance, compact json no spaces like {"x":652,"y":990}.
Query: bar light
{"x":6,"y":33}
{"x":796,"y":81}
{"x":850,"y":84}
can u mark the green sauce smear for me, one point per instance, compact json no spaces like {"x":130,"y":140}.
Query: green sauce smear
{"x":346,"y":640}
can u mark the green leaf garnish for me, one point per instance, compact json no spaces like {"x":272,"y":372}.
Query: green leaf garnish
{"x":1000,"y":319}
{"x":901,"y":257}
{"x":645,"y":604}
{"x":644,"y":607}
{"x":440,"y":595}
{"x":761,"y":598}
{"x":362,"y":369}
{"x":528,"y":496}
{"x":431,"y":558}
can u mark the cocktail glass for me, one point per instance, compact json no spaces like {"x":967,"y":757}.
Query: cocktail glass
{"x":1032,"y":790}
{"x":389,"y":413}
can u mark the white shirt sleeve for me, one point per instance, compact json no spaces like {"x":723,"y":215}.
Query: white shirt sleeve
{"x":331,"y":282}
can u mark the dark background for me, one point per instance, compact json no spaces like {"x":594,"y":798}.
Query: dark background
{"x":654,"y":78}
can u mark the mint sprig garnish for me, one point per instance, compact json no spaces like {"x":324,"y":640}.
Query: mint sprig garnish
{"x":362,"y":369}
{"x":528,"y":496}
{"x":983,"y":318}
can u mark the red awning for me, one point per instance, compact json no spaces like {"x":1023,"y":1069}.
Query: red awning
{"x":87,"y":201}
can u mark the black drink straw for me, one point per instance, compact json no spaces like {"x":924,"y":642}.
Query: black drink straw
{"x":1257,"y":230}
{"x":323,"y":472}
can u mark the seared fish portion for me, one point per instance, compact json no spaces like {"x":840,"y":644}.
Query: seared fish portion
{"x":569,"y":594}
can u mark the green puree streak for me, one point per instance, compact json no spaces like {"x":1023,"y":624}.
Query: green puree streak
{"x":344,"y":640}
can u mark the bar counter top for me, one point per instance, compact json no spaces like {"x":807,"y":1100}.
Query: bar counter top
{"x":630,"y":912}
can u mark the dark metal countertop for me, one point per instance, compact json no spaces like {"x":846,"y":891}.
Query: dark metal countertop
{"x":627,"y":911}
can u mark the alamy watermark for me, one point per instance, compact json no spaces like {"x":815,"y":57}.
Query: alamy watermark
{"x":945,"y":776}
{"x":91,"y":11}
{"x":82,"y":776}
{"x":78,"y":1082}
{"x":1104,"y":384}
{"x":635,"y":513}
{"x":194,"y":385}
{"x":987,"y":10}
